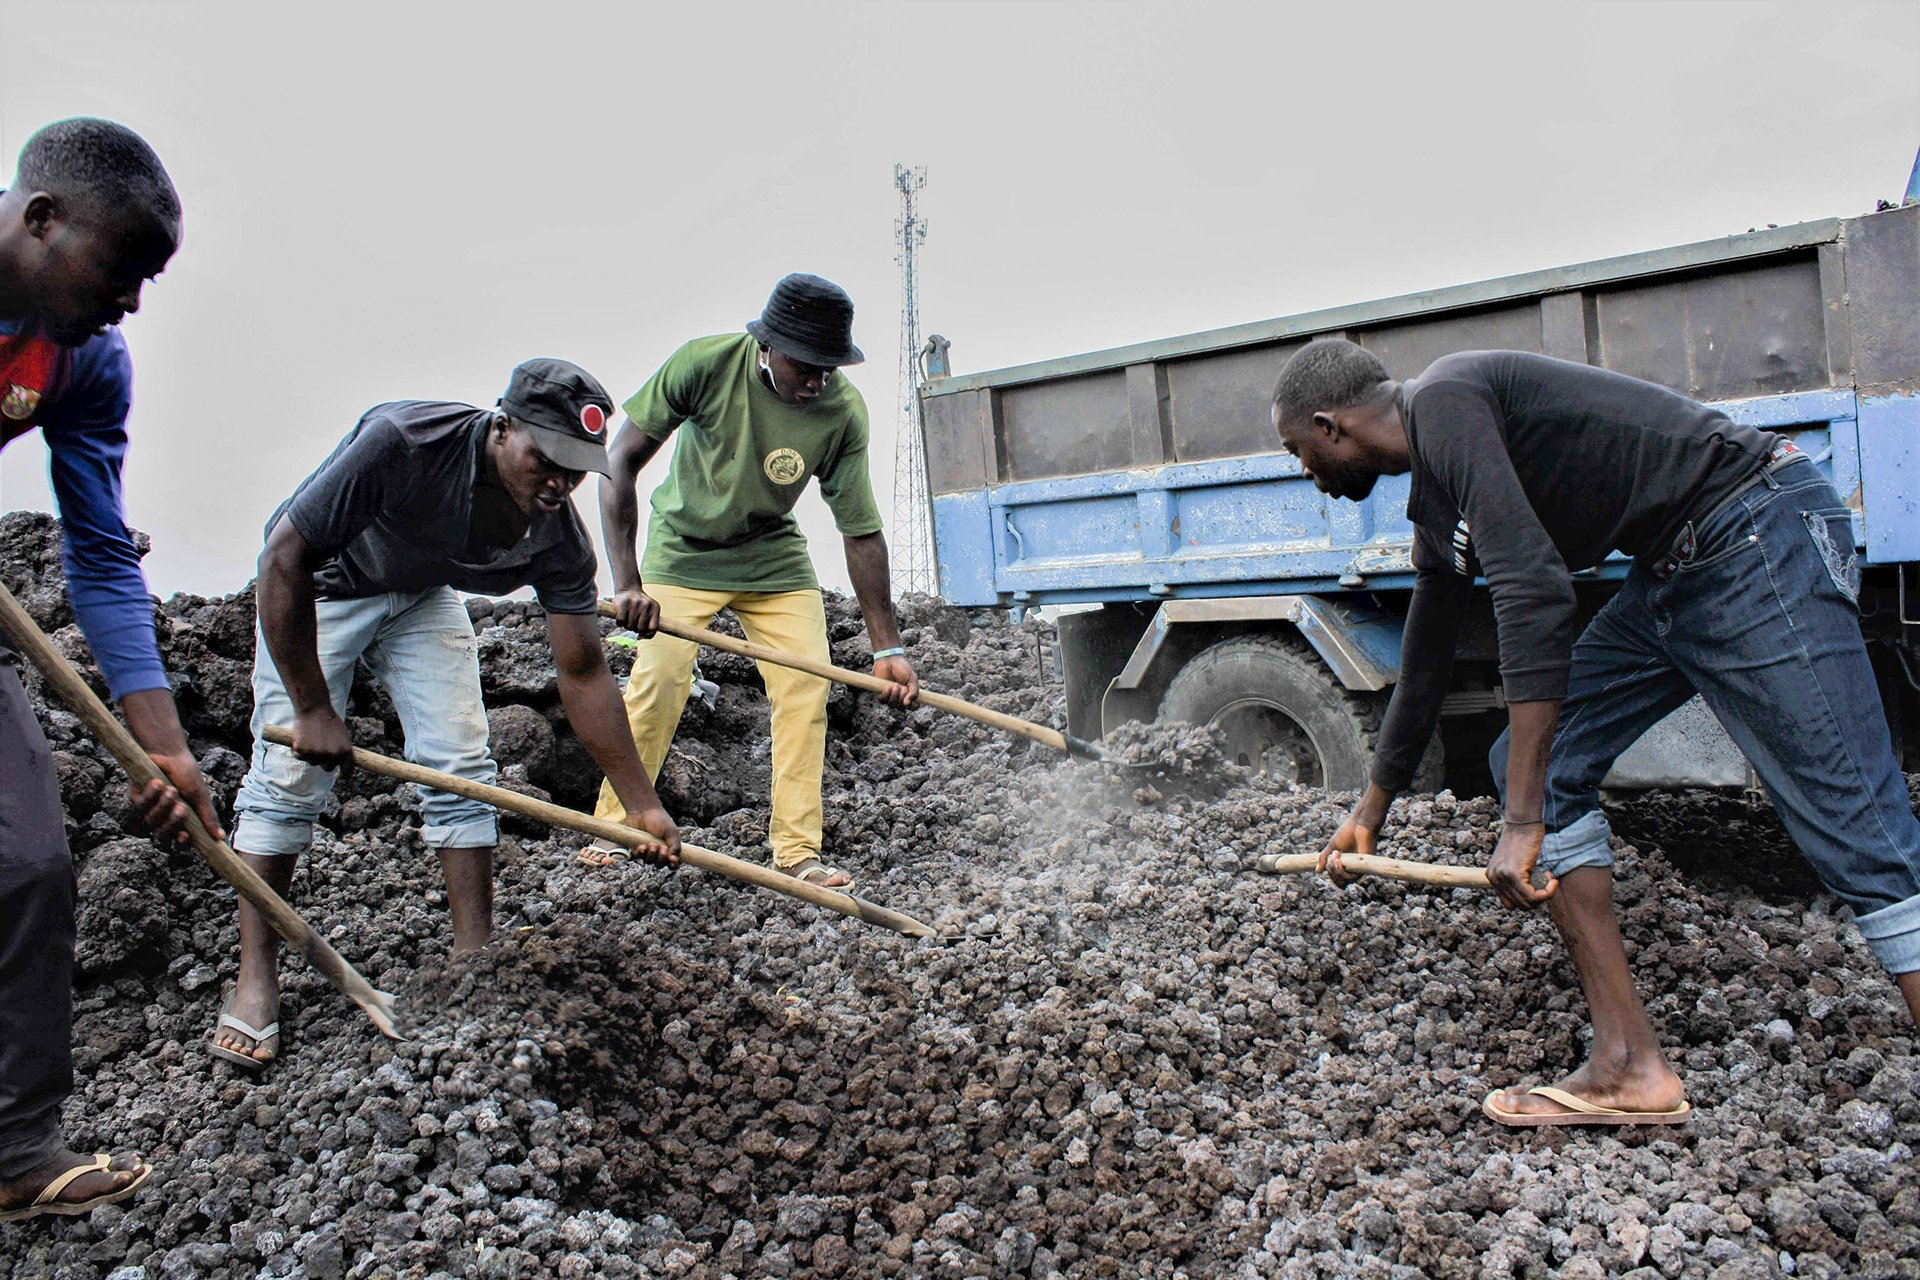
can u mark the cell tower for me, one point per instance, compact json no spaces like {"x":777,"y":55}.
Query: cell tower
{"x":911,"y":541}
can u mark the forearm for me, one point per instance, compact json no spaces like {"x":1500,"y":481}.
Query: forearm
{"x":154,"y":721}
{"x":1426,"y":671}
{"x":1371,"y":811}
{"x":868,"y":569}
{"x":620,"y":504}
{"x":1531,"y":744}
{"x":620,"y":528}
{"x":592,"y":700}
{"x":286,"y":602}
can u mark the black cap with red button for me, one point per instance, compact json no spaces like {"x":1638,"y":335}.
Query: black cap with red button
{"x":565,"y":409}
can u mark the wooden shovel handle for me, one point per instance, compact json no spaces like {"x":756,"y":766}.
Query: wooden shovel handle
{"x":859,"y":680}
{"x":1372,"y":864}
{"x":627,"y":837}
{"x":68,"y":686}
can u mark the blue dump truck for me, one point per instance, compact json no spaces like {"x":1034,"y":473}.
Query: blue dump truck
{"x":1200,"y":577}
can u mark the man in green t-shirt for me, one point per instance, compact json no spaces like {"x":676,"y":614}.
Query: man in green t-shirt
{"x":763,"y":411}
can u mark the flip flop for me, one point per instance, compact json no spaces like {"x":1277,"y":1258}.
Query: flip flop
{"x":807,"y":868}
{"x":601,"y":853}
{"x":1578,"y":1112}
{"x":259,"y":1036}
{"x":48,"y":1201}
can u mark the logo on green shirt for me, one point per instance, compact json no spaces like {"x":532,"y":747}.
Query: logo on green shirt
{"x":784,"y":466}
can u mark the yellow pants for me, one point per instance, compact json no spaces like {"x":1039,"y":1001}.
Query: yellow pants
{"x":656,"y":693}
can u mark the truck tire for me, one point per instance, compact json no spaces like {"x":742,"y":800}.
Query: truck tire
{"x":1285,"y":714}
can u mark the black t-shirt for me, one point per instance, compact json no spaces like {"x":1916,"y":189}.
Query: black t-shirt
{"x":391,"y":508}
{"x":1525,"y":468}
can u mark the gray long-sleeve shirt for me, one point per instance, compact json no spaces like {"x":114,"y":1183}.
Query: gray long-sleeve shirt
{"x":1524,"y":469}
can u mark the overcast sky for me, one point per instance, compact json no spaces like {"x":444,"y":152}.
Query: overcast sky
{"x":402,"y":200}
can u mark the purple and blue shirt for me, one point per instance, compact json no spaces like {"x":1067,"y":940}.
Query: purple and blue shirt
{"x":78,"y":398}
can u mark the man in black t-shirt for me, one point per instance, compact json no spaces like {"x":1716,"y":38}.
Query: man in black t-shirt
{"x":1742,"y":590}
{"x":362,"y":564}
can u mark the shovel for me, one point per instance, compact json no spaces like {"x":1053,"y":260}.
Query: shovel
{"x":1372,"y":864}
{"x":72,"y":690}
{"x":873,"y":684}
{"x":628,"y":837}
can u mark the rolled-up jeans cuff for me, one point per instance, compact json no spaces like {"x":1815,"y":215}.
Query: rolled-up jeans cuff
{"x":1894,"y":934}
{"x":1584,"y":844}
{"x":477,"y":834}
{"x":269,"y":838}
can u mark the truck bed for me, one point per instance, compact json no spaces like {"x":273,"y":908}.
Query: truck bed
{"x":1152,"y":472}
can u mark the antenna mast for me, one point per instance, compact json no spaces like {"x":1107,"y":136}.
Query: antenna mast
{"x":912,"y":539}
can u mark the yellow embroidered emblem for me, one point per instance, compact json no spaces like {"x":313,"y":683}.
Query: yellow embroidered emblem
{"x":20,"y":403}
{"x":784,"y":466}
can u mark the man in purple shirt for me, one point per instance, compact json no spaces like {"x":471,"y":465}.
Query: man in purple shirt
{"x":90,"y":218}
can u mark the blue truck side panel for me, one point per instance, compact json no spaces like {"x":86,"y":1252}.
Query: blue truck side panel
{"x":1253,"y":525}
{"x":1889,"y":463}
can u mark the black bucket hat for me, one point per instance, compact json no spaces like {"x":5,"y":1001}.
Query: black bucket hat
{"x":810,"y":320}
{"x":565,"y":409}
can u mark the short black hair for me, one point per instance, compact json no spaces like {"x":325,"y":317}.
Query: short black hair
{"x":98,"y":163}
{"x":1324,"y":375}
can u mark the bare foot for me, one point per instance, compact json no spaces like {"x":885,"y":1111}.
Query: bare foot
{"x":1652,"y":1087}
{"x":20,"y":1192}
{"x":256,"y":1002}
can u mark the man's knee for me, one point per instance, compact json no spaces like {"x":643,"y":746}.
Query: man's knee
{"x":1587,"y":842}
{"x":460,"y":826}
{"x":1893,"y":933}
{"x":802,"y":698}
{"x":33,"y":831}
{"x":38,"y":876}
{"x":657,"y":670}
{"x":454,"y":820}
{"x":281,"y":787}
{"x":266,"y":837}
{"x":468,"y":756}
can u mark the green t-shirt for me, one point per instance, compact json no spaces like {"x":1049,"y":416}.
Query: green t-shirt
{"x":722,"y":519}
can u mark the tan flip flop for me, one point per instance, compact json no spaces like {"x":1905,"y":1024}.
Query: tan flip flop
{"x":1578,"y":1112}
{"x":48,"y":1201}
{"x":259,"y":1036}
{"x":601,"y":853}
{"x":809,"y":868}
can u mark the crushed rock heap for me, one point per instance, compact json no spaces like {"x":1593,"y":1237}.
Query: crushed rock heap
{"x":1130,"y":1055}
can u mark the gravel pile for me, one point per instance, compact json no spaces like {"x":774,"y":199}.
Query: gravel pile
{"x":1128,"y":1055}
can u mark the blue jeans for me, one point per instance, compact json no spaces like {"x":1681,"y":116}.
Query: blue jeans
{"x":422,"y":649}
{"x":1761,"y":621}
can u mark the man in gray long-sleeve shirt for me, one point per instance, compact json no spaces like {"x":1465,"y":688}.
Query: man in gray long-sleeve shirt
{"x":1742,"y":590}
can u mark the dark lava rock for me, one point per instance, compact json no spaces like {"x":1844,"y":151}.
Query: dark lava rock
{"x":124,"y":916}
{"x":1127,"y":1055}
{"x":519,"y":735}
